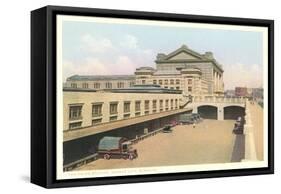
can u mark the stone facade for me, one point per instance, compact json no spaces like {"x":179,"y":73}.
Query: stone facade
{"x":85,"y":108}
{"x":186,"y":70}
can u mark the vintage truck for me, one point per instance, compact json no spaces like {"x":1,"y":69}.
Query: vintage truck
{"x":239,"y":126}
{"x":116,"y":147}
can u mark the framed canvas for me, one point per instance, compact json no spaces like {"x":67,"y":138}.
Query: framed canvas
{"x":128,"y":96}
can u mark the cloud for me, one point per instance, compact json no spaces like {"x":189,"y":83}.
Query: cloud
{"x":95,"y":45}
{"x":93,"y":66}
{"x":124,"y":65}
{"x":102,"y":56}
{"x":89,"y":66}
{"x":242,"y":75}
{"x":129,"y":42}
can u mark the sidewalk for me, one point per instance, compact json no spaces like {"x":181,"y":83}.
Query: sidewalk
{"x":257,"y":122}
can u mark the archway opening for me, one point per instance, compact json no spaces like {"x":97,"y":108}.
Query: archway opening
{"x":208,"y":112}
{"x":233,"y":112}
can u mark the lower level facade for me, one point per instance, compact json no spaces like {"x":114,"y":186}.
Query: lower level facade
{"x":86,"y":108}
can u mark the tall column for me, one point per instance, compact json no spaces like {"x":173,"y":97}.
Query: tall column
{"x":219,"y":85}
{"x":215,"y":81}
{"x":220,"y":113}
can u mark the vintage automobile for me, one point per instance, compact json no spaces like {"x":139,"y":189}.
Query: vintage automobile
{"x":174,"y":123}
{"x":239,"y":126}
{"x":167,"y":129}
{"x":115,"y":148}
{"x":187,"y":119}
{"x":197,"y":117}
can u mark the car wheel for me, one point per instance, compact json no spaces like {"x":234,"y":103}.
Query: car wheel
{"x":106,"y":156}
{"x":131,"y":156}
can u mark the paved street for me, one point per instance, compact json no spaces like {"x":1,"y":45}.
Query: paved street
{"x":211,"y":141}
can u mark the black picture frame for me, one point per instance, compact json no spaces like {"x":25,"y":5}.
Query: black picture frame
{"x":43,"y":95}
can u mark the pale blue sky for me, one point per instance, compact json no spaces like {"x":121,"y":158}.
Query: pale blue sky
{"x":99,"y":48}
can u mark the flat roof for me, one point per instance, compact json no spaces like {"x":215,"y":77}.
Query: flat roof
{"x":100,"y":77}
{"x":135,"y":89}
{"x":83,"y":132}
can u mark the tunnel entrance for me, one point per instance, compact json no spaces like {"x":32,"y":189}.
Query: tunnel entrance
{"x":208,"y":112}
{"x":233,"y":112}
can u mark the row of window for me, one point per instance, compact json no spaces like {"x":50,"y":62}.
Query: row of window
{"x":75,"y":111}
{"x":171,"y":81}
{"x":97,"y":85}
{"x":166,"y":81}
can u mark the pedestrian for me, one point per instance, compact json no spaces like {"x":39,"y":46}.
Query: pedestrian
{"x":194,"y":125}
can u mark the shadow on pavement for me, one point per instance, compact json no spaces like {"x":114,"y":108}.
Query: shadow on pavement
{"x":239,"y":148}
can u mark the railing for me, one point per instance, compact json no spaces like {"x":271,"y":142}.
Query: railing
{"x":216,"y":99}
{"x":80,"y":162}
{"x":139,"y":138}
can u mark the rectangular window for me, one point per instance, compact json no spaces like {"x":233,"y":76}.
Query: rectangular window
{"x":113,"y":108}
{"x":177,"y":81}
{"x":75,"y":112}
{"x":75,"y":125}
{"x":190,"y":89}
{"x":108,"y":85}
{"x":143,"y":81}
{"x":96,"y":121}
{"x":146,"y":112}
{"x":189,"y":81}
{"x":96,"y":85}
{"x":74,"y":85}
{"x":172,"y":104}
{"x":160,"y":82}
{"x":97,"y":109}
{"x":176,"y":103}
{"x":127,"y":107}
{"x":137,"y":114}
{"x":161,"y":103}
{"x":171,"y":81}
{"x":177,"y":88}
{"x":166,"y":81}
{"x":85,"y":85}
{"x":167,"y":105}
{"x":154,"y":104}
{"x":146,"y":105}
{"x":120,"y":85}
{"x":132,"y":84}
{"x":172,"y":88}
{"x":154,"y":81}
{"x":137,"y":105}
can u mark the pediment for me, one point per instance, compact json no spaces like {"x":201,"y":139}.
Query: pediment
{"x":183,"y":55}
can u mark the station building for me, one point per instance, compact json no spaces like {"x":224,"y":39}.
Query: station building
{"x":184,"y":69}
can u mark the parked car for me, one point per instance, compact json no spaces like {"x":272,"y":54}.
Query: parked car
{"x":187,"y":119}
{"x":197,"y":117}
{"x":174,"y":123}
{"x":167,"y":129}
{"x":116,"y":147}
{"x":239,"y":126}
